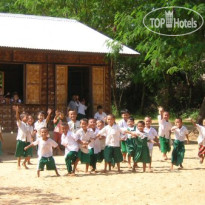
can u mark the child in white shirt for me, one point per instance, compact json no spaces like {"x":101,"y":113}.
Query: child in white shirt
{"x":45,"y":151}
{"x":70,"y":141}
{"x":74,"y":124}
{"x":21,"y":136}
{"x":180,"y":132}
{"x":112,"y":132}
{"x":41,"y":122}
{"x":86,"y":138}
{"x":165,"y":134}
{"x":201,"y":139}
{"x":81,"y":110}
{"x":100,"y":126}
{"x":100,"y":115}
{"x":152,"y":135}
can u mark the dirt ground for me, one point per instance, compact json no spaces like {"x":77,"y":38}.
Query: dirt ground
{"x":185,"y":186}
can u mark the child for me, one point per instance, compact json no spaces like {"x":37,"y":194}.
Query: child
{"x":86,"y":137}
{"x":141,"y":151}
{"x":1,"y":141}
{"x":74,"y":124}
{"x":123,"y":124}
{"x":160,"y":111}
{"x":113,"y":136}
{"x":95,"y":146}
{"x":81,"y":109}
{"x":70,"y":141}
{"x":100,"y":126}
{"x":180,"y":132}
{"x":201,"y":139}
{"x":100,"y":115}
{"x":57,"y":121}
{"x":45,"y":151}
{"x":30,"y":138}
{"x":130,"y":142}
{"x":152,"y":135}
{"x":41,"y":122}
{"x":165,"y":134}
{"x":21,"y":136}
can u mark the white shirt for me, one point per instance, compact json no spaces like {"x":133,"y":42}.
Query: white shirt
{"x":97,"y":143}
{"x":201,"y":137}
{"x":86,"y":136}
{"x":45,"y":148}
{"x":164,"y":128}
{"x":22,"y":131}
{"x":82,"y":108}
{"x":38,"y":125}
{"x":112,"y":134}
{"x":70,"y":142}
{"x":29,"y":133}
{"x":131,"y":129}
{"x":141,"y":135}
{"x":180,"y":133}
{"x":99,"y":116}
{"x":74,"y":127}
{"x":152,"y":133}
{"x":123,"y":124}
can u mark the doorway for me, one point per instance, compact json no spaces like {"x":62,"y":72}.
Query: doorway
{"x":79,"y":83}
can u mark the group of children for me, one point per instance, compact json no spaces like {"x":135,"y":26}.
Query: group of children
{"x":101,"y":138}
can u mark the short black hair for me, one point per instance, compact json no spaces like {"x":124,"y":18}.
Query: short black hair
{"x":131,"y":119}
{"x":84,"y":120}
{"x":99,"y":107}
{"x":125,"y":111}
{"x":141,"y":122}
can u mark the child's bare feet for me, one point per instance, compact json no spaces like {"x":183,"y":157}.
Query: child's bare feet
{"x":87,"y":172}
{"x":150,"y":169}
{"x":134,"y":170}
{"x":30,"y":163}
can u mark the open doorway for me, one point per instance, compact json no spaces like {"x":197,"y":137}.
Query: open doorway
{"x":79,"y":83}
{"x":12,"y":80}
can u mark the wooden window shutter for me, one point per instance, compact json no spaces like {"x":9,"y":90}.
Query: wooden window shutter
{"x":61,"y":84}
{"x":98,"y":86}
{"x":33,"y":83}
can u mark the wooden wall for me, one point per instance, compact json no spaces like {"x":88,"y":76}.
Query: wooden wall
{"x":46,"y":81}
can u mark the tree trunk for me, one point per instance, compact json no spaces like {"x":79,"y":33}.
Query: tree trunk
{"x":201,"y":112}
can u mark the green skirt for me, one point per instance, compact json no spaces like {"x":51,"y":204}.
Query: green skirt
{"x":164,"y":145}
{"x":29,"y":151}
{"x":178,"y":152}
{"x":123,"y":147}
{"x":131,"y":146}
{"x":142,"y":154}
{"x":100,"y":156}
{"x":84,"y":158}
{"x":93,"y":158}
{"x":113,"y":154}
{"x":20,"y":145}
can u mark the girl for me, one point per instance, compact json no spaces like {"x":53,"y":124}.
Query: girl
{"x":180,"y":132}
{"x":57,"y":121}
{"x":100,"y":126}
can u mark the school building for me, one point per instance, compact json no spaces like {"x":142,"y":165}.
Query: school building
{"x":47,"y":59}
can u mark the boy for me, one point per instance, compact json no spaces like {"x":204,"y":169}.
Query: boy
{"x":70,"y":141}
{"x":201,"y":139}
{"x":113,"y":136}
{"x":180,"y":133}
{"x":165,"y":134}
{"x":74,"y":124}
{"x":45,"y":151}
{"x":86,"y":138}
{"x":100,"y":126}
{"x":41,"y":122}
{"x":100,"y":115}
{"x":96,"y":146}
{"x":81,"y":109}
{"x":141,"y":151}
{"x":123,"y":124}
{"x":21,"y":136}
{"x":152,"y":135}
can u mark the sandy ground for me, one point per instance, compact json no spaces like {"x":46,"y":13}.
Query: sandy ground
{"x":160,"y":187}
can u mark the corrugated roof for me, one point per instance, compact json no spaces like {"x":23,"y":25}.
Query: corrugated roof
{"x":49,"y":33}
